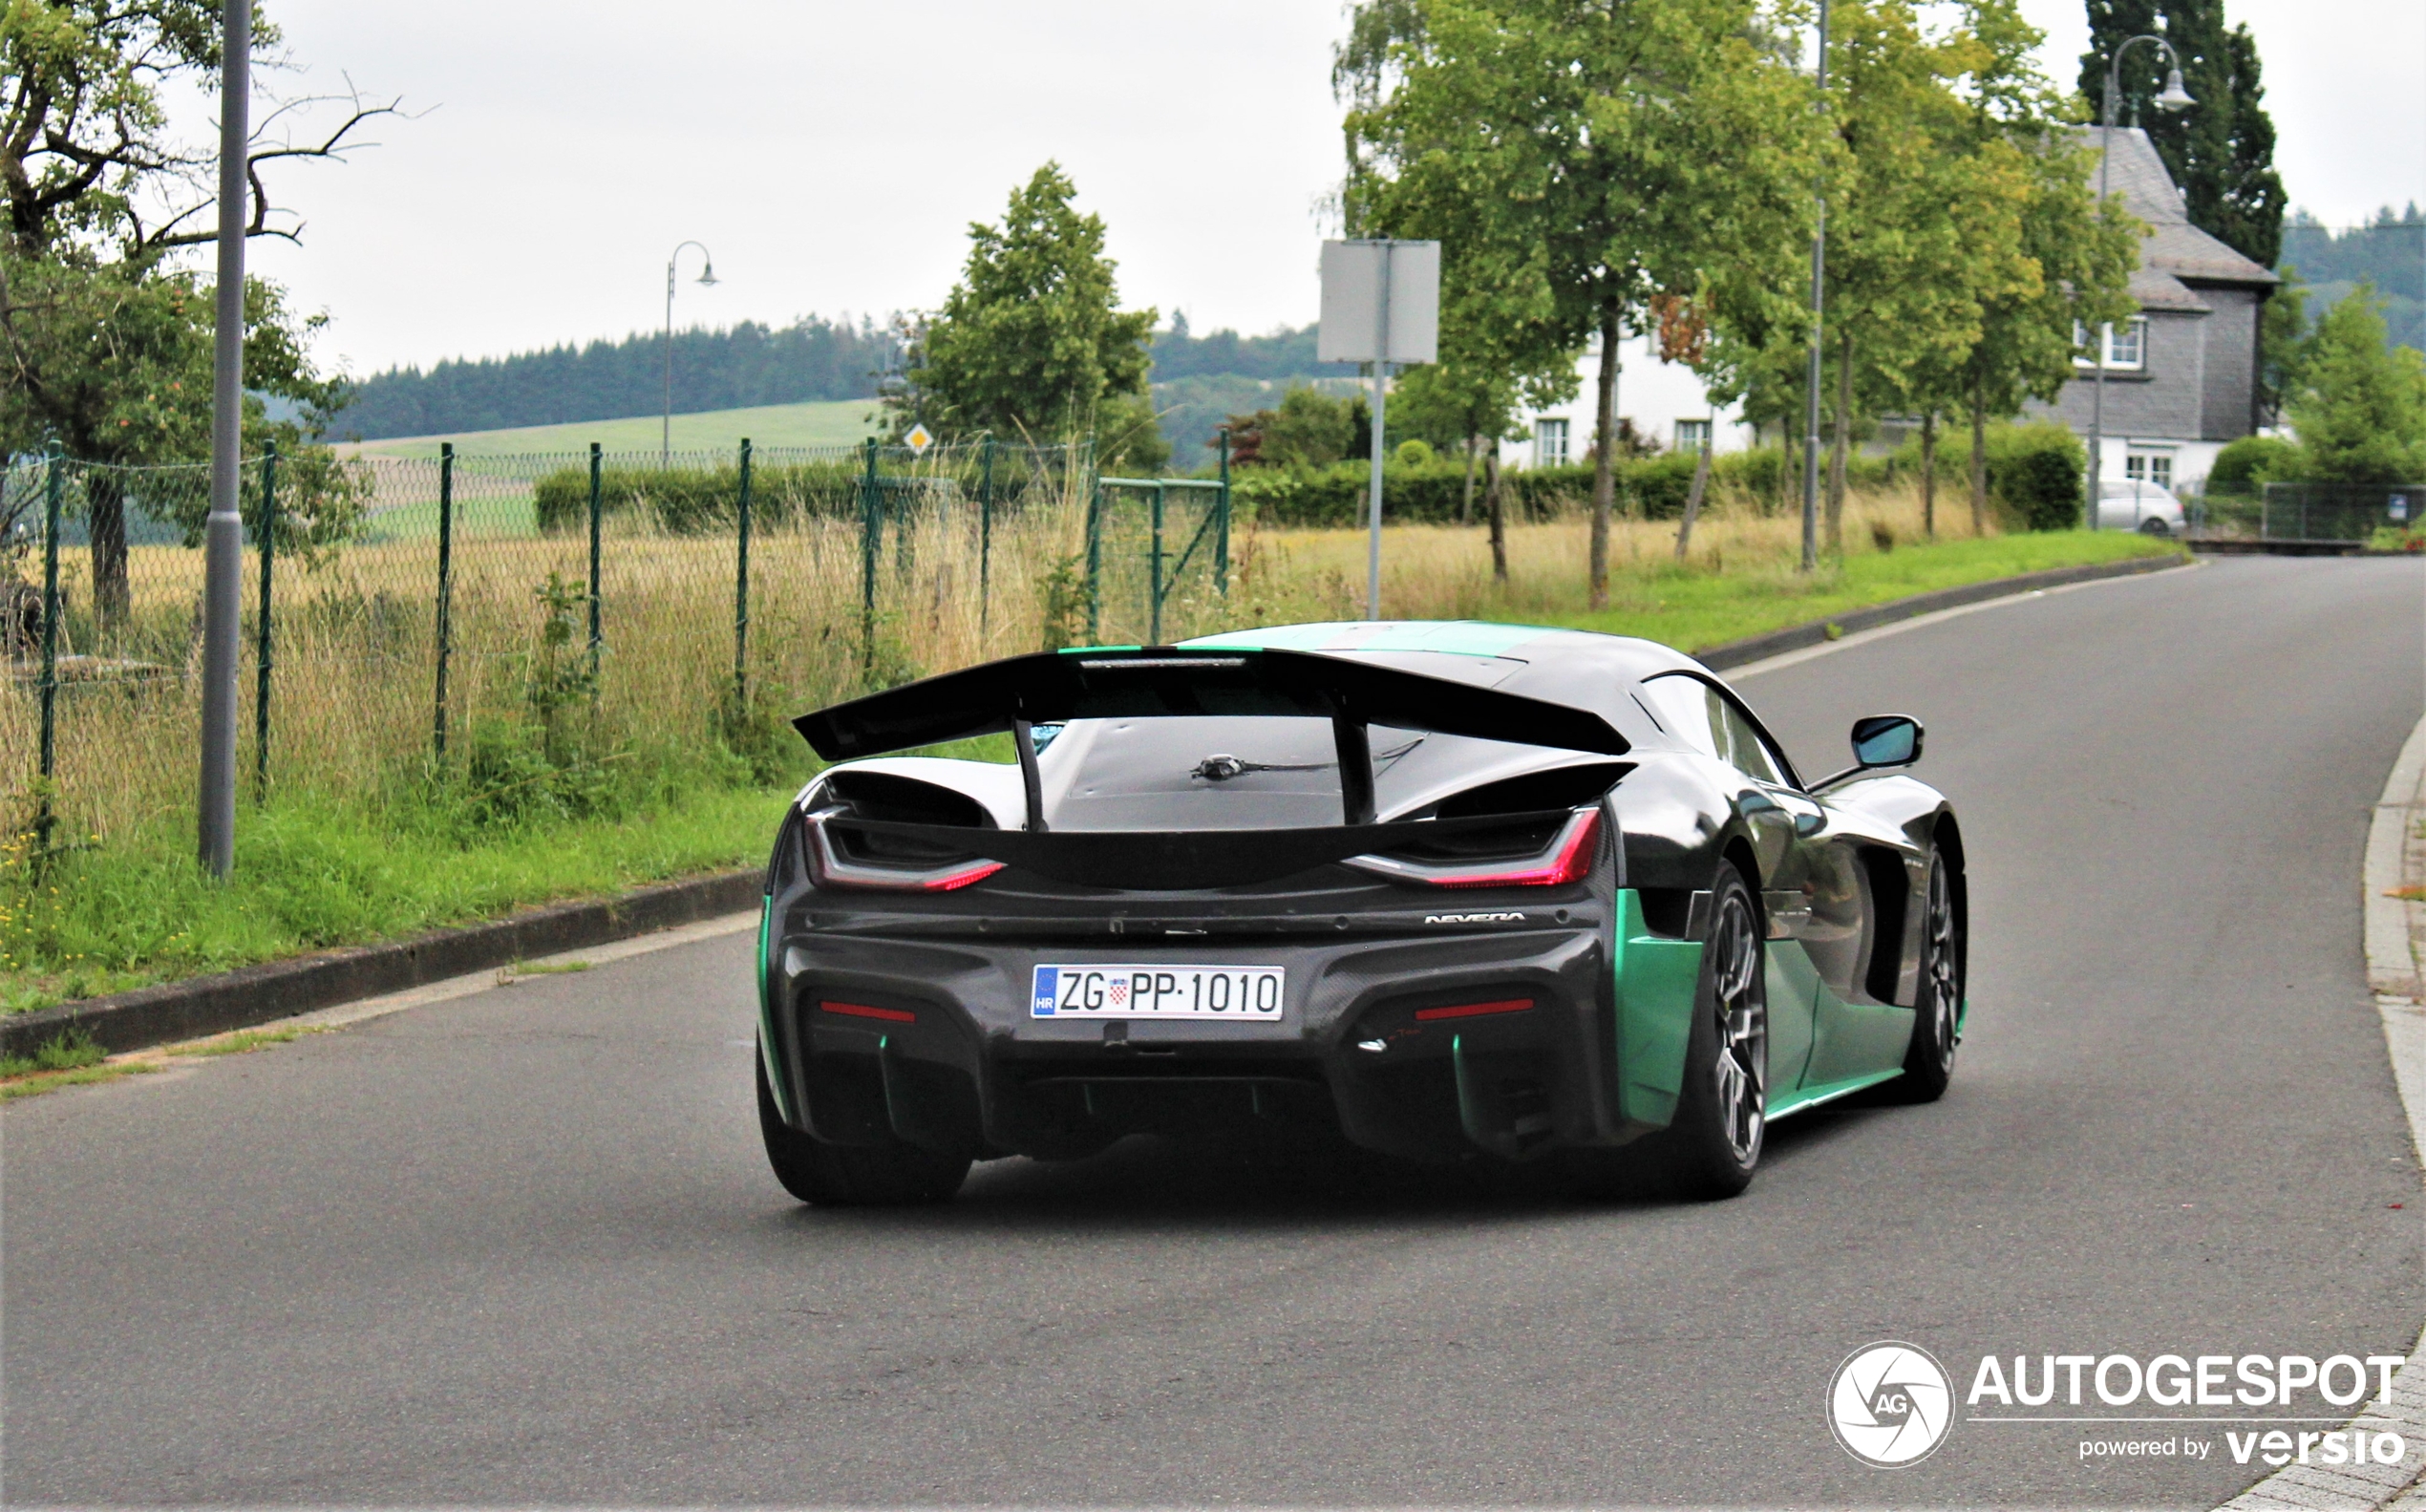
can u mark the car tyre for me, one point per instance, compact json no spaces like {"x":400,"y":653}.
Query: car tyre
{"x":1937,"y":1027}
{"x":1711,"y":1147}
{"x":894,"y":1175}
{"x":2155,"y":528}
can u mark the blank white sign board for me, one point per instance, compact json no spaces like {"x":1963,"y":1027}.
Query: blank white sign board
{"x":1354,"y":275}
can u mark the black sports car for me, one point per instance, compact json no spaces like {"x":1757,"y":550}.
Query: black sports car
{"x":1448,"y":888}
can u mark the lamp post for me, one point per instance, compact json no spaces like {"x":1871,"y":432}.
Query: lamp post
{"x":223,"y":539}
{"x":2174,"y":97}
{"x":707,"y":277}
{"x":1818,"y":291}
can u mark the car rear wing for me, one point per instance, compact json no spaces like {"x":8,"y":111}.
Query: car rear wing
{"x":1012,"y":695}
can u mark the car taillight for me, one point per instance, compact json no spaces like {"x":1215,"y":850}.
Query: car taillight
{"x":1568,"y":859}
{"x":829,"y":867}
{"x":1505,"y":1005}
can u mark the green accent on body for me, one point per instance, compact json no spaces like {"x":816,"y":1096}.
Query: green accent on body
{"x":1450,"y":637}
{"x":1090,"y":651}
{"x":769,"y":1049}
{"x":1804,"y":1098}
{"x":1656,"y":981}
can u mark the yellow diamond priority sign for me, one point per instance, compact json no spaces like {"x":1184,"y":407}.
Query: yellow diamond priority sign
{"x":919,"y":438}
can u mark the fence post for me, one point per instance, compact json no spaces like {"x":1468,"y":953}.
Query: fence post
{"x":871,"y":524}
{"x":741,"y":595}
{"x":261,"y":655}
{"x":1094,"y":556}
{"x":1221,"y":526}
{"x":446,"y":590}
{"x":54,"y":489}
{"x":595,"y":456}
{"x":1153,"y":576}
{"x":985,"y":539}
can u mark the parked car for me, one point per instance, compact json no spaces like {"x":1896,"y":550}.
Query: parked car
{"x":2149,"y":508}
{"x":1448,"y":889}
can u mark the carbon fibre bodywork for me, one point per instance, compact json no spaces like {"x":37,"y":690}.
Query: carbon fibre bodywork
{"x":1434,"y":1007}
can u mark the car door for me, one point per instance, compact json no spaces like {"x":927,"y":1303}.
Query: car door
{"x":1706,"y":717}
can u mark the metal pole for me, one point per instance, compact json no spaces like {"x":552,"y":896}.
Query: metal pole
{"x":1372,"y":496}
{"x":1819,"y":330}
{"x":260,"y":655}
{"x":446,"y":591}
{"x":2093,"y":501}
{"x":985,"y":537}
{"x":224,"y":536}
{"x":870,"y":523}
{"x":596,"y":499}
{"x":1153,"y":575}
{"x":1221,"y":530}
{"x":1095,"y":559}
{"x":741,"y":594}
{"x":54,"y":489}
{"x":707,"y":275}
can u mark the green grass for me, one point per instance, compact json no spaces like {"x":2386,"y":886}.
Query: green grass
{"x":312,"y":876}
{"x":1696,"y":610}
{"x":839,"y":422}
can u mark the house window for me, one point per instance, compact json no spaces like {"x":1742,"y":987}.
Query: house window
{"x":2126,"y":346}
{"x":1692,"y":436}
{"x":2150,"y":467}
{"x":1549,"y":443}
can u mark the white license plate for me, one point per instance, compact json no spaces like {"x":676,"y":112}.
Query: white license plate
{"x":1233,"y":992}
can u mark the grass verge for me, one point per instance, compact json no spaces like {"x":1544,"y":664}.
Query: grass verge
{"x":80,"y":1063}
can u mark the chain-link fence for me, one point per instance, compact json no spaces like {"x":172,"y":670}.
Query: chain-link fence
{"x":2306,"y":511}
{"x":410,"y":617}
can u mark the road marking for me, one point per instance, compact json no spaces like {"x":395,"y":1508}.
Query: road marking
{"x":1795,"y":658}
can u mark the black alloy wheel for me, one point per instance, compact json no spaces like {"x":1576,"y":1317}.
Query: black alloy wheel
{"x":1929,"y":1064}
{"x":1711,"y":1148}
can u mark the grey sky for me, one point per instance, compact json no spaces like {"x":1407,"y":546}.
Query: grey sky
{"x":833,"y":155}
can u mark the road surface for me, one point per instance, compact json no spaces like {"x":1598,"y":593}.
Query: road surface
{"x":521,"y":1247}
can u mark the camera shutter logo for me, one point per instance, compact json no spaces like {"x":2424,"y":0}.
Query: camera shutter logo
{"x":1891,"y":1404}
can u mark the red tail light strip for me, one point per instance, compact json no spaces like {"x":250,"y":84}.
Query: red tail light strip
{"x":890,"y":1015}
{"x":828,"y":868}
{"x":1512,"y":1005}
{"x":1568,"y":859}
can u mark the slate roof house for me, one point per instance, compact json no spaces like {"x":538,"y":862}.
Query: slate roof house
{"x":2181,"y":376}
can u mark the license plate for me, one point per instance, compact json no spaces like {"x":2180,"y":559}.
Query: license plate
{"x":1232,"y":992}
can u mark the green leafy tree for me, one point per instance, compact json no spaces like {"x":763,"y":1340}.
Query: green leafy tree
{"x":1031,"y":343}
{"x":2221,"y":151}
{"x":2360,"y":409}
{"x":1577,"y":161}
{"x":105,"y":339}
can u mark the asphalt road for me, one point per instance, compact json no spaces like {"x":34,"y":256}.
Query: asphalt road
{"x":522,"y":1248}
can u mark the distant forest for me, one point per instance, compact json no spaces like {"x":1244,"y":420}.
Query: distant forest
{"x":2391,"y":251}
{"x":751,"y":364}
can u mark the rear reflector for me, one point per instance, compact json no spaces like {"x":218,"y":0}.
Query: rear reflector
{"x":891,"y":1015}
{"x":1510,"y":1005}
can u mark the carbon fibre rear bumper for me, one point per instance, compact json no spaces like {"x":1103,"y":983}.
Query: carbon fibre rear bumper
{"x":931,"y":1041}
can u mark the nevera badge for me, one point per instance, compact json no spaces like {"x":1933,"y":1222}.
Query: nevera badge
{"x":1891,"y":1404}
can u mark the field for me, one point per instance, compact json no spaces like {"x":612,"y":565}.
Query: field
{"x":565,"y":774}
{"x":837,"y":423}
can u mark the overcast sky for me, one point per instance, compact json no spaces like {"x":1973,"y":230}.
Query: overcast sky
{"x":832,"y":154}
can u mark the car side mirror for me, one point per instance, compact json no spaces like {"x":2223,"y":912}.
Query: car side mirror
{"x":1884,"y":740}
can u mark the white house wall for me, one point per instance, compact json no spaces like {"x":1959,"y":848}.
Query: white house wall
{"x":1654,"y":394}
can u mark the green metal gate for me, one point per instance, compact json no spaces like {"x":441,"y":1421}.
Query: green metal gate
{"x":1157,"y":556}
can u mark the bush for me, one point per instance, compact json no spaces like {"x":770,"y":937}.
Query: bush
{"x":694,"y":501}
{"x":2255,"y":460}
{"x":2036,"y":470}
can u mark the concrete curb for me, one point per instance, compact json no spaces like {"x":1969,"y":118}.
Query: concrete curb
{"x":2393,"y":925}
{"x":1817,"y":633}
{"x":258,"y":994}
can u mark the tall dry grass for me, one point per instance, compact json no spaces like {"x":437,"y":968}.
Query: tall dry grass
{"x":354,"y":686}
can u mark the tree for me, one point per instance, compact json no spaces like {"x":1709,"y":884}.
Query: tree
{"x":1575,"y":162}
{"x":105,"y":339}
{"x":2221,"y":151}
{"x":2061,"y":264}
{"x":2360,"y":409}
{"x":1032,"y":342}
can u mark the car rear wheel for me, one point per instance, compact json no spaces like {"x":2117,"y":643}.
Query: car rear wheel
{"x":891,"y":1175}
{"x":2155,"y":527}
{"x":1710,"y":1149}
{"x":1929,"y":1063}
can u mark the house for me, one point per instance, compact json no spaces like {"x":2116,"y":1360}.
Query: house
{"x":2181,"y":376}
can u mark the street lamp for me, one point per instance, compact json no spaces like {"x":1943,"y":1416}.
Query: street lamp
{"x":1819,"y":330}
{"x":2173,"y":98}
{"x":707,"y":277}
